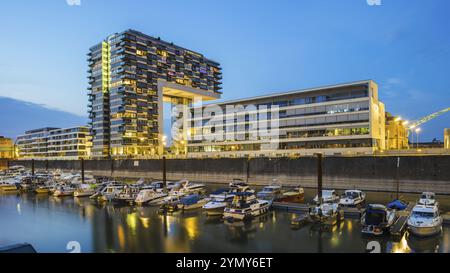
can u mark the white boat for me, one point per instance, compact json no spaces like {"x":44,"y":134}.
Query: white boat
{"x":328,"y":196}
{"x":327,"y":214}
{"x":293,"y":195}
{"x":428,"y":199}
{"x":270,"y":192}
{"x":425,"y":220}
{"x":353,"y":198}
{"x":150,"y":197}
{"x":110,"y":191}
{"x":187,"y":188}
{"x":128,"y":194}
{"x":245,"y":205}
{"x":64,"y":190}
{"x":377,"y":219}
{"x":193,"y":201}
{"x":219,"y":200}
{"x":85,"y":190}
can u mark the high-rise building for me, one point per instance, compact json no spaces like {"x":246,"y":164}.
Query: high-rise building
{"x":335,"y":120}
{"x":131,"y":75}
{"x":6,"y":148}
{"x":55,"y":143}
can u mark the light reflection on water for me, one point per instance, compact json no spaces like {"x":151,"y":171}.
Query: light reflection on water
{"x":49,"y":223}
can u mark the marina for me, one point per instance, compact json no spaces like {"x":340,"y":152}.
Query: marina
{"x":143,"y":216}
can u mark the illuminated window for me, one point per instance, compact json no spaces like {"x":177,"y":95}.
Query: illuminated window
{"x":141,"y":53}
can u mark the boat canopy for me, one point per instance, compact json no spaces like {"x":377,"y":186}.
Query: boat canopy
{"x":190,"y":200}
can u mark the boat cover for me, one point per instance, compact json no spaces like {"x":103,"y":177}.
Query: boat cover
{"x":398,"y":205}
{"x":190,"y":200}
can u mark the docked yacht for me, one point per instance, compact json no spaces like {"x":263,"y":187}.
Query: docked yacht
{"x":425,"y":220}
{"x":193,"y":201}
{"x":219,"y":200}
{"x":8,"y":186}
{"x":84,"y":190}
{"x":294,"y":195}
{"x":327,"y":214}
{"x":328,"y":196}
{"x":44,"y":189}
{"x":187,"y":188}
{"x":245,"y":205}
{"x":428,"y":199}
{"x":353,"y":198}
{"x":64,"y":190}
{"x":270,"y":192}
{"x":108,"y":191}
{"x":377,"y":219}
{"x":128,"y":194}
{"x":153,"y":196}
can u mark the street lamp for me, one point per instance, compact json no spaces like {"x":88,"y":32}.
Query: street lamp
{"x":417,"y":134}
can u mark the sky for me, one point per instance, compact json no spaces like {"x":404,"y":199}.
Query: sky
{"x":264,"y":46}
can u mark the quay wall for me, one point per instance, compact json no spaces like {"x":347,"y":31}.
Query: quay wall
{"x":379,"y":173}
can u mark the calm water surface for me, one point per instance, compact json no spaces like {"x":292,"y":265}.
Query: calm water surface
{"x":49,"y":223}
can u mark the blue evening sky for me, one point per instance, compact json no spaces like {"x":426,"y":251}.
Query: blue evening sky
{"x":263,"y":46}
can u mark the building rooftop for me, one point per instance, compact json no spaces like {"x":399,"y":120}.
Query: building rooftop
{"x":274,"y":95}
{"x":162,"y":42}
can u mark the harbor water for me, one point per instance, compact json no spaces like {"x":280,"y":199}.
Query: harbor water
{"x":58,"y":224}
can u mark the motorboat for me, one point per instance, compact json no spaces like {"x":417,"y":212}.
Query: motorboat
{"x":44,"y":189}
{"x":193,"y":201}
{"x":128,"y":194}
{"x":84,"y":190}
{"x":425,"y":220}
{"x":194,"y":188}
{"x":245,"y":205}
{"x":64,"y":190}
{"x":240,"y":186}
{"x":173,"y":185}
{"x":8,"y":187}
{"x":270,"y":192}
{"x":150,"y":196}
{"x":428,"y":199}
{"x":108,"y":192}
{"x":326,"y":213}
{"x":328,"y":196}
{"x":377,"y":219}
{"x":187,"y":188}
{"x":353,"y":198}
{"x":219,"y":200}
{"x":294,"y":195}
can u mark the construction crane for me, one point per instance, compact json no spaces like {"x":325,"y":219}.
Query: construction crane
{"x":423,"y":120}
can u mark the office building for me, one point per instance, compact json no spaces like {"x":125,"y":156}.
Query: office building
{"x":396,"y":133}
{"x":6,"y":148}
{"x":131,"y":76}
{"x":334,"y":120}
{"x":55,"y":143}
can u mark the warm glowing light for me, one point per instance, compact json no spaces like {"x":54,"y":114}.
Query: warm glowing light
{"x":405,"y":123}
{"x":398,"y":119}
{"x":191,"y":225}
{"x":132,"y":222}
{"x":418,"y":130}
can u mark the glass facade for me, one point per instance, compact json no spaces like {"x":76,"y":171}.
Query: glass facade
{"x":338,"y":117}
